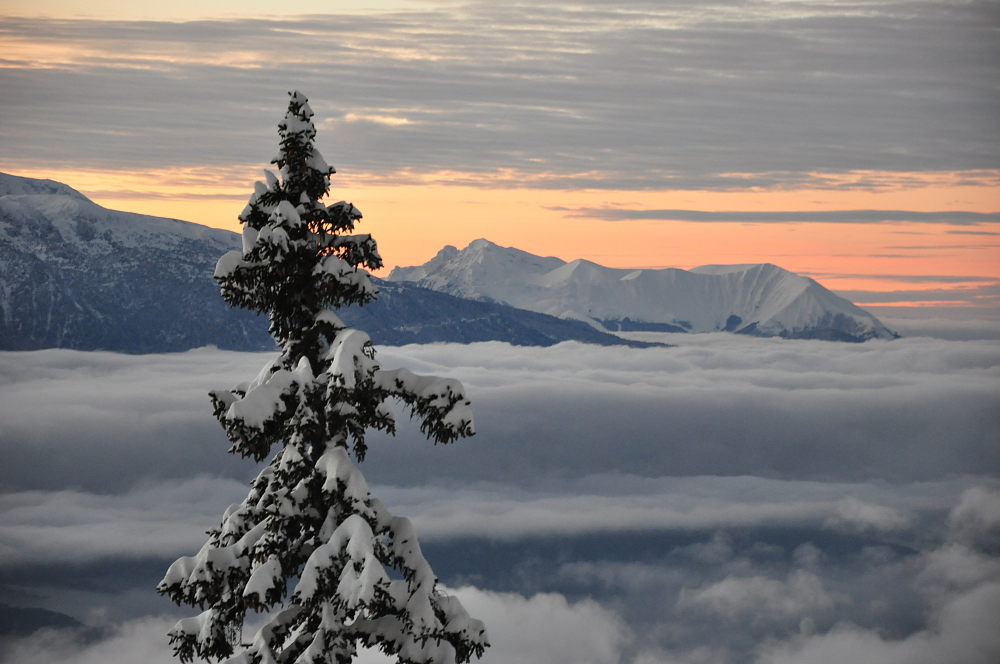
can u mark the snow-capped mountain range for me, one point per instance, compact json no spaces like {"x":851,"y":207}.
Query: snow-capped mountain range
{"x":761,"y":299}
{"x":76,"y":275}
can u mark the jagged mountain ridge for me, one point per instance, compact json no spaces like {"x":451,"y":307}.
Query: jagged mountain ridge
{"x":761,"y":299}
{"x":76,"y":275}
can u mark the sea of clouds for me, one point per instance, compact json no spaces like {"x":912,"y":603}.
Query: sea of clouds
{"x":728,"y":499}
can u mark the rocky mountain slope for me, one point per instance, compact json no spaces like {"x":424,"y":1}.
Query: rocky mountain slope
{"x":76,"y":275}
{"x":762,"y":299}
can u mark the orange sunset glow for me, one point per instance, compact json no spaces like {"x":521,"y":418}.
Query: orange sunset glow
{"x":413,"y":221}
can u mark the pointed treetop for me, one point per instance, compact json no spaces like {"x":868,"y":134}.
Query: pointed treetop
{"x":299,"y":254}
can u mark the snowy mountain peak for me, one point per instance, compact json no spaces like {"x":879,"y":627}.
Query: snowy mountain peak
{"x":482,"y":244}
{"x":451,"y":269}
{"x":761,"y":299}
{"x":725,"y":269}
{"x":46,"y":206}
{"x":447,"y":251}
{"x":13,"y":185}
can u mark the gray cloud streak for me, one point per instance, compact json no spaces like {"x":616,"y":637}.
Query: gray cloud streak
{"x":640,"y":95}
{"x":953,"y":218}
{"x":166,"y":519}
{"x":987,"y":294}
{"x":913,"y":278}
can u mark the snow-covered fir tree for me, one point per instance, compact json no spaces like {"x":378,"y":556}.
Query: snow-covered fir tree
{"x":328,"y":565}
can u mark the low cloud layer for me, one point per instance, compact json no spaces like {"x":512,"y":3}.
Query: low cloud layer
{"x":543,"y":627}
{"x":956,"y":323}
{"x":617,"y":504}
{"x":904,"y":410}
{"x":140,"y":640}
{"x":761,"y":598}
{"x":150,"y":520}
{"x":168,"y":519}
{"x":723,"y":599}
{"x":963,"y":632}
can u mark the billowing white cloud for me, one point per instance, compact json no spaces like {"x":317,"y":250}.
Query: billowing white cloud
{"x":741,"y":620}
{"x":961,"y":587}
{"x":105,"y":422}
{"x":964,"y":632}
{"x":976,"y":519}
{"x":545,"y":627}
{"x":761,"y":599}
{"x":955,"y":567}
{"x":141,"y":640}
{"x":854,"y":514}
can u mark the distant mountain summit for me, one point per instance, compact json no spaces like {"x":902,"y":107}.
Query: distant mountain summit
{"x":761,"y":299}
{"x":76,"y":275}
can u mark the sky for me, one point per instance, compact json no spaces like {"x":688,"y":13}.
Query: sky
{"x":856,"y":142}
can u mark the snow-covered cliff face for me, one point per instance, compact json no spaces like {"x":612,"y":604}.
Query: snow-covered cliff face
{"x":751,"y":299}
{"x":75,"y":275}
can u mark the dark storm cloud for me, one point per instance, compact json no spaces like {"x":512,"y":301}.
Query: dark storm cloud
{"x":954,"y":218}
{"x":635,"y":95}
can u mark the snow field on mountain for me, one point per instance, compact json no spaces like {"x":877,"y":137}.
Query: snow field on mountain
{"x":759,"y":299}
